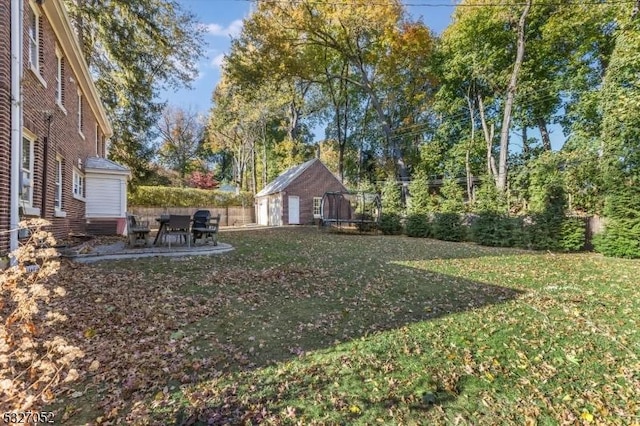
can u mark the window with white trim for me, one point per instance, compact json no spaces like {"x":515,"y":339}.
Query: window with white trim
{"x":57,"y":198}
{"x":34,"y":39}
{"x":317,"y":207}
{"x":59,"y":78}
{"x":98,"y":154}
{"x":26,"y":168}
{"x":78,"y":184}
{"x":80,"y":124}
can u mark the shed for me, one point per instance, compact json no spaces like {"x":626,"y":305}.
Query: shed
{"x":106,"y":196}
{"x":295,"y":197}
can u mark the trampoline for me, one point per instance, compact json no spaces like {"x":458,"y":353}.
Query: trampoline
{"x":357,"y":209}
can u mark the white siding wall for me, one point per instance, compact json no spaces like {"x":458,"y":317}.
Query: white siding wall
{"x":106,"y":195}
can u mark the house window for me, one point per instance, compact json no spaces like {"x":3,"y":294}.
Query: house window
{"x":26,"y":182}
{"x":57,"y":200}
{"x":317,"y":207}
{"x":34,"y":40}
{"x":78,"y":184}
{"x":59,"y":79}
{"x":80,"y":124}
{"x":98,"y":154}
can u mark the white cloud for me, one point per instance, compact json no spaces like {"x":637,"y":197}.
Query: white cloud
{"x":233,"y":29}
{"x":218,"y":60}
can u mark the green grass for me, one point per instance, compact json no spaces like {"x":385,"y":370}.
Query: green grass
{"x":300,"y":326}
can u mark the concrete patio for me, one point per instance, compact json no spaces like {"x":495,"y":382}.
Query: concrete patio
{"x":120,"y":251}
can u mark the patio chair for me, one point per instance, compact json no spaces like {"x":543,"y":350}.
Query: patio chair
{"x":137,"y":230}
{"x":179,"y":225}
{"x":205,"y":227}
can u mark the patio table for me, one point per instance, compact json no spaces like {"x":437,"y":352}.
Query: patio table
{"x":163,"y":220}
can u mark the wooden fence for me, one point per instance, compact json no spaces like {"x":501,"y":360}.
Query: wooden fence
{"x":229,"y":216}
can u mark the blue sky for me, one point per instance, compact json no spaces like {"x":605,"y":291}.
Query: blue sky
{"x":223,"y":19}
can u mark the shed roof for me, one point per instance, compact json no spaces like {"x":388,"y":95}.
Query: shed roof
{"x":106,"y":166}
{"x":285,"y":179}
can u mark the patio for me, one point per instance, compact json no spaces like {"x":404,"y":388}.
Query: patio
{"x":120,"y":250}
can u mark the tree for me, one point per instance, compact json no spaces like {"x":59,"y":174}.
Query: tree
{"x":182,"y":139}
{"x":134,"y":48}
{"x":366,"y":46}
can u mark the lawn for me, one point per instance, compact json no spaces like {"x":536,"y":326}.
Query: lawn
{"x":298,"y":326}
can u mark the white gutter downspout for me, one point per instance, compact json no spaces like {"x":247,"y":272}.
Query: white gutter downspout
{"x":17,"y":11}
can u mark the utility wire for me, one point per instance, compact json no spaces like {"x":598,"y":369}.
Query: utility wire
{"x":351,"y":3}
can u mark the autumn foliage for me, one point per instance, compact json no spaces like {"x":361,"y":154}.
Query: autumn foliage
{"x":34,"y":359}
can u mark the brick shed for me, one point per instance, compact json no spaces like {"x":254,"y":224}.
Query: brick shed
{"x":295,"y":197}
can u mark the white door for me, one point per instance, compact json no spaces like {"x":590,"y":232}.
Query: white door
{"x":294,"y":210}
{"x":263,"y":212}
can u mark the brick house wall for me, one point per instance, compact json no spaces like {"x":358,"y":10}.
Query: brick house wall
{"x":54,"y":128}
{"x":313,"y":182}
{"x":5,"y":121}
{"x":61,"y":134}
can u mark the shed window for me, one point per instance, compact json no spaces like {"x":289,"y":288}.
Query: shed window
{"x":317,"y":204}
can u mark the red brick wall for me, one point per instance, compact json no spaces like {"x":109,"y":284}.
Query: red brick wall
{"x":62,"y":137}
{"x":5,"y":121}
{"x":313,"y":182}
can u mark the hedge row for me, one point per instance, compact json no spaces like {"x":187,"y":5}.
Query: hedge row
{"x":539,"y":232}
{"x":164,"y":196}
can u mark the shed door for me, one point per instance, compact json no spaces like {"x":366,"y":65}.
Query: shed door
{"x":263,"y":212}
{"x":294,"y":210}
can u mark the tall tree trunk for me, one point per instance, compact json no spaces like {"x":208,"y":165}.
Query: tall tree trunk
{"x":508,"y":104}
{"x":254,"y":172}
{"x":467,"y":162}
{"x":488,"y":137}
{"x":544,"y":132}
{"x":264,"y":156}
{"x":525,"y":141}
{"x":397,"y":154}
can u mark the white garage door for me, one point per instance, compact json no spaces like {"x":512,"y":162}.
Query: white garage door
{"x":294,"y":210}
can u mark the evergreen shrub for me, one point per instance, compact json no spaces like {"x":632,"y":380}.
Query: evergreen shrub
{"x":390,"y":224}
{"x":621,"y":237}
{"x":498,"y":230}
{"x":448,"y":227}
{"x":418,"y":225}
{"x":545,"y":232}
{"x":574,"y":231}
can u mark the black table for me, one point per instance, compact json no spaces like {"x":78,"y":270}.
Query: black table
{"x":163,"y":220}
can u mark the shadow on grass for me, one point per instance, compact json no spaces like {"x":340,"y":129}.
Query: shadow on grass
{"x":281,"y":295}
{"x":285,"y":323}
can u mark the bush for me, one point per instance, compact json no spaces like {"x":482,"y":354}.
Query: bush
{"x":418,"y":225}
{"x":498,"y":230}
{"x":390,"y":224}
{"x":545,"y":232}
{"x":448,"y":227}
{"x":36,"y":361}
{"x":163,"y":196}
{"x":621,"y":237}
{"x":489,"y":199}
{"x":452,"y":197}
{"x":574,"y":231}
